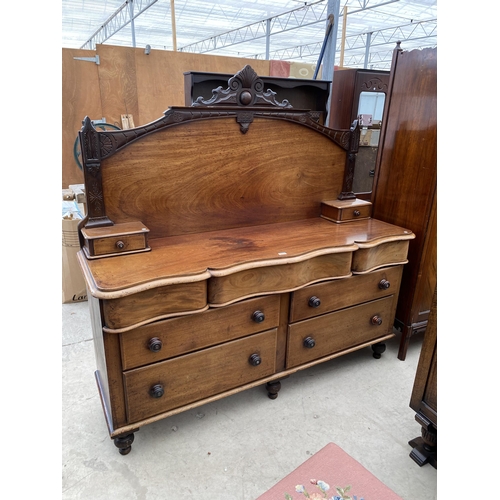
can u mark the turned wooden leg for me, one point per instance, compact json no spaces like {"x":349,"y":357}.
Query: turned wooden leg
{"x":273,"y":389}
{"x":378,"y":349}
{"x":124,"y":443}
{"x":425,"y":447}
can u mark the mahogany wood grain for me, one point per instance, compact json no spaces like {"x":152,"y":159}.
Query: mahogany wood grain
{"x":190,"y":333}
{"x":282,"y":333}
{"x":226,"y":289}
{"x":188,"y":378}
{"x":196,"y":257}
{"x":338,"y":330}
{"x":109,"y":369}
{"x":406,"y":179}
{"x":152,"y":304}
{"x":194,"y":186}
{"x":117,"y":244}
{"x":346,"y":210}
{"x":390,"y":253}
{"x":337,"y":294}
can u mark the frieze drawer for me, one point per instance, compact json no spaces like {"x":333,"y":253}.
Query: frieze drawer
{"x":337,"y":331}
{"x":330,"y":296}
{"x":172,"y":337}
{"x":176,"y":382}
{"x":153,"y":304}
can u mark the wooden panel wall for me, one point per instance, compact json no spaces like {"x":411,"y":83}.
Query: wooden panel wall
{"x":127,"y":81}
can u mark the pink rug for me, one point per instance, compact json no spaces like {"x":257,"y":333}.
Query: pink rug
{"x":321,"y":475}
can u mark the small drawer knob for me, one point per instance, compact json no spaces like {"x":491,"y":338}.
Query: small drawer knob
{"x":255,"y":360}
{"x":155,"y":344}
{"x":384,"y":284}
{"x":120,"y":245}
{"x":356,"y":213}
{"x":309,"y":342}
{"x":258,"y":316}
{"x":376,"y":320}
{"x":314,"y":301}
{"x":156,"y":391}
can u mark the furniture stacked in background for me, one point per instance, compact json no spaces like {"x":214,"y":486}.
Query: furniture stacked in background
{"x":424,"y":395}
{"x":223,"y":248}
{"x":405,"y":180}
{"x":362,"y":92}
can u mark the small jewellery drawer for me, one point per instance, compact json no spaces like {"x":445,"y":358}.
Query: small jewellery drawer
{"x":333,"y":295}
{"x":155,"y":303}
{"x":128,"y":237}
{"x":346,"y":210}
{"x":334,"y":332}
{"x":173,"y":337}
{"x":177,"y":382}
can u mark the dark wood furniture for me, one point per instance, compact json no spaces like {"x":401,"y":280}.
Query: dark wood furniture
{"x":304,"y":93}
{"x":355,"y":92}
{"x":406,"y":173}
{"x":424,"y":395}
{"x":224,"y":249}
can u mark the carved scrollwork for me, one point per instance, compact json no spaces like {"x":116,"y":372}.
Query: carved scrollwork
{"x":374,"y":83}
{"x":245,"y":88}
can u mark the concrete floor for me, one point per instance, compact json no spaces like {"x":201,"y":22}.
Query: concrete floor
{"x":240,"y":446}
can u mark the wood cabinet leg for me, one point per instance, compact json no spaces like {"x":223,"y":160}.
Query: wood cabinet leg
{"x":124,"y":443}
{"x":378,"y":349}
{"x":273,"y":389}
{"x":425,"y":447}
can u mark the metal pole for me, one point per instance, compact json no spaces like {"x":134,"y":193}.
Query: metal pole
{"x":329,"y":57}
{"x":268,"y":37}
{"x":174,"y":33}
{"x":367,"y":50}
{"x":342,"y":46}
{"x":131,"y":7}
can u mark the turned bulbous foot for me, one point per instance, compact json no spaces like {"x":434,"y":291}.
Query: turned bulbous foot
{"x":124,"y":443}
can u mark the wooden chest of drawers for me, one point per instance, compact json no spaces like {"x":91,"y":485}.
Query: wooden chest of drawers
{"x":243,"y":280}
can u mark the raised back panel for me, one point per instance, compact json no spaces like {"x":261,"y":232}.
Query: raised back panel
{"x":206,"y":175}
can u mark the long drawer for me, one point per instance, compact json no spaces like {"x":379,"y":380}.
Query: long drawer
{"x":334,"y":332}
{"x":172,"y":337}
{"x":177,"y":382}
{"x":333,"y":295}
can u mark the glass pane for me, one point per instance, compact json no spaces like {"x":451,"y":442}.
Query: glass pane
{"x":371,"y":103}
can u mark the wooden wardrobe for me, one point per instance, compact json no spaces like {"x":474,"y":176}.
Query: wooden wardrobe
{"x":405,"y":180}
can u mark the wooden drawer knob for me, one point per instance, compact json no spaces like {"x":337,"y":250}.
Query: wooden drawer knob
{"x":384,"y":284}
{"x":314,"y":301}
{"x":258,"y":316}
{"x":155,"y":344}
{"x":156,"y":391}
{"x":376,"y":320}
{"x":255,"y":360}
{"x":120,"y":245}
{"x":356,"y":213}
{"x":309,"y":342}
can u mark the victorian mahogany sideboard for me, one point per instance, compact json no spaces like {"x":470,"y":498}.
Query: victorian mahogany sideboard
{"x":224,"y":249}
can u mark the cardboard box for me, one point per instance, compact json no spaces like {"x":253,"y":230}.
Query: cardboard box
{"x":73,"y":283}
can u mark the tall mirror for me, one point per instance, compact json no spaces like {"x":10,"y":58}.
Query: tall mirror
{"x":370,"y":112}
